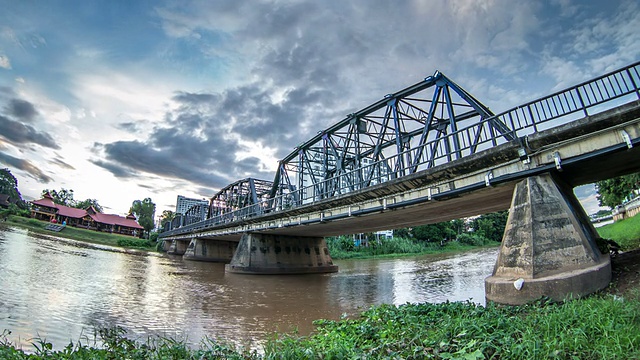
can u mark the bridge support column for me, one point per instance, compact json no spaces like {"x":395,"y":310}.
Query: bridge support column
{"x":166,"y":245}
{"x":548,"y":247}
{"x":210,"y":250}
{"x":278,"y":254}
{"x":178,"y":247}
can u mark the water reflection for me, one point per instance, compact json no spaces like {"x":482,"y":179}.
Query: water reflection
{"x":60,"y":290}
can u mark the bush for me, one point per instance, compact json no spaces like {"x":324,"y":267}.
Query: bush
{"x":395,"y":246}
{"x":472,"y":239}
{"x":34,"y":222}
{"x":24,"y":213}
{"x":153,"y":237}
{"x":135,"y":243}
{"x":159,"y":247}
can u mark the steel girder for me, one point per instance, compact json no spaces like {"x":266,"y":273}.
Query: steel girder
{"x":429,"y":123}
{"x":195,"y":214}
{"x":250,"y":194}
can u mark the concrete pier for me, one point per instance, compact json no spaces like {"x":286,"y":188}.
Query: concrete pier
{"x":210,"y":250}
{"x":548,"y":248}
{"x":178,"y":247}
{"x":278,"y":254}
{"x":166,"y":245}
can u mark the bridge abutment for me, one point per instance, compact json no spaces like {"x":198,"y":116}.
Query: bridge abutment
{"x":279,"y":254}
{"x":210,"y":250}
{"x":548,"y":248}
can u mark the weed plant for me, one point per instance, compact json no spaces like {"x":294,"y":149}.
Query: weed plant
{"x":598,"y":327}
{"x":595,"y":328}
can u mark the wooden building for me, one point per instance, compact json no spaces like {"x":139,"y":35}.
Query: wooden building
{"x":46,"y":209}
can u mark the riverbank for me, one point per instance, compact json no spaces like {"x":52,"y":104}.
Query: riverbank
{"x":601,"y":326}
{"x":604,"y":325}
{"x":84,"y":235}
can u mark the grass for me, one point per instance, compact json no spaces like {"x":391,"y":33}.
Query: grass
{"x":85,"y":235}
{"x":343,"y":248}
{"x":625,"y":232}
{"x":598,"y":327}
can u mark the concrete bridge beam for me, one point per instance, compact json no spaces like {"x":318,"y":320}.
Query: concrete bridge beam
{"x":280,"y":254}
{"x":548,"y":248}
{"x":210,"y":250}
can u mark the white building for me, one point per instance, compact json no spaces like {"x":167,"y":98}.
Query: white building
{"x":184,"y":203}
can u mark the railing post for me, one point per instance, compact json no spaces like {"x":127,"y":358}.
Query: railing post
{"x":584,"y":108}
{"x":635,"y":86}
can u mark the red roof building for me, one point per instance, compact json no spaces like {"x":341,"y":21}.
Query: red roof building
{"x":47,"y":209}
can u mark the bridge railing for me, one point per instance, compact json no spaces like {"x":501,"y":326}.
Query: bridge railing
{"x":601,"y":93}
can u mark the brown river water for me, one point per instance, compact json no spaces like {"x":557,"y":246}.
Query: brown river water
{"x":61,"y":290}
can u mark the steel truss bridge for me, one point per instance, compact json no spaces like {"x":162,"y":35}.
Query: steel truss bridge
{"x":425,"y":126}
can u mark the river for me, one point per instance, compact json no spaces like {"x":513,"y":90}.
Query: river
{"x":61,"y":290}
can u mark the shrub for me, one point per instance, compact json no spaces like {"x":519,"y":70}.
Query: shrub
{"x":34,"y":222}
{"x":135,"y":243}
{"x":472,"y":239}
{"x":159,"y":247}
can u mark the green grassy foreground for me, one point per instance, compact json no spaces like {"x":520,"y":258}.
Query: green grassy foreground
{"x":625,"y":232}
{"x":598,"y":327}
{"x":85,"y":235}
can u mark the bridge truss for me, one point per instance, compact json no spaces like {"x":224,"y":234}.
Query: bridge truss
{"x":411,"y":130}
{"x":244,"y":197}
{"x":425,"y":125}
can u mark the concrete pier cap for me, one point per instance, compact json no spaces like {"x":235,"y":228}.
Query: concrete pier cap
{"x":279,"y":254}
{"x":548,"y":248}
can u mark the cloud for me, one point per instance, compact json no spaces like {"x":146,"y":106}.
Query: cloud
{"x":132,"y":127}
{"x":25,"y":165}
{"x":116,"y":169}
{"x":20,"y":134}
{"x":62,"y":164}
{"x":4,"y":62}
{"x":22,"y":109}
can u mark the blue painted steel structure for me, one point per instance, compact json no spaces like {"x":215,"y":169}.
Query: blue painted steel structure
{"x":425,"y":125}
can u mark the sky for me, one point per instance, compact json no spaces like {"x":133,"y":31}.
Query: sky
{"x":124,"y":100}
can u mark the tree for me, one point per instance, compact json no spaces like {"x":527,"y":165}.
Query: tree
{"x":62,"y":197}
{"x":434,"y":232}
{"x":491,"y":226}
{"x":9,"y":186}
{"x":612,"y":192}
{"x":89,"y":202}
{"x":167,"y":216}
{"x":145,"y":211}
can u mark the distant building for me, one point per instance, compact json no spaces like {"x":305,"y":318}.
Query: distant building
{"x":183,"y":204}
{"x":46,"y":209}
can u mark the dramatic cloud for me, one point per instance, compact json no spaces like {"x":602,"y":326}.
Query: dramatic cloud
{"x":117,"y":170}
{"x":20,"y":134}
{"x":25,"y":165}
{"x":21,"y":109}
{"x":208,"y":93}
